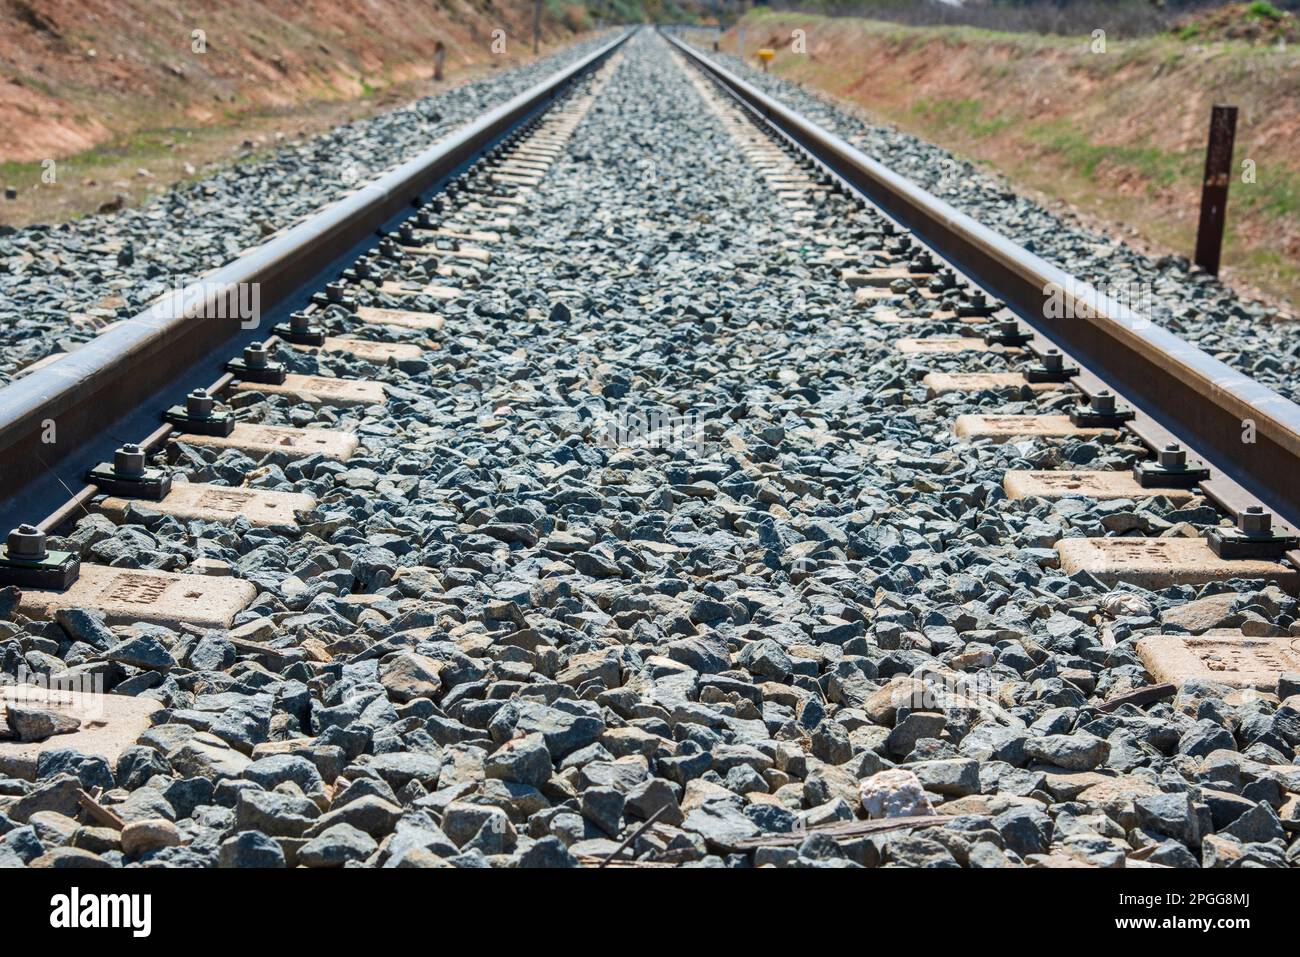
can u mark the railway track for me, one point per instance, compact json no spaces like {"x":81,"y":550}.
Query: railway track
{"x":673,"y":485}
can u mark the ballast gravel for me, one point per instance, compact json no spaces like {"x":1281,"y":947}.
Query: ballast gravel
{"x":664,"y":528}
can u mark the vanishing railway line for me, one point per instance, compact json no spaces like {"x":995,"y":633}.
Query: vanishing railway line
{"x":669,"y":484}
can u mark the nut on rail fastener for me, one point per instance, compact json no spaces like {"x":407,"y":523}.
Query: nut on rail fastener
{"x":256,"y":366}
{"x":1170,"y":469}
{"x":363,"y":268}
{"x":300,"y":330}
{"x":1253,"y":537}
{"x":336,"y":293}
{"x":27,"y":563}
{"x":1008,"y":333}
{"x":942,"y":281}
{"x":920,"y":263}
{"x":1100,"y":412}
{"x":129,"y":476}
{"x":388,"y":248}
{"x":1050,"y":367}
{"x":200,"y":416}
{"x":975,"y":303}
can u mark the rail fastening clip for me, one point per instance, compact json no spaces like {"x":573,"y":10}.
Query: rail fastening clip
{"x":1171,"y":469}
{"x":1253,"y":537}
{"x":129,"y":476}
{"x":1100,"y":412}
{"x":27,"y":563}
{"x":200,"y":416}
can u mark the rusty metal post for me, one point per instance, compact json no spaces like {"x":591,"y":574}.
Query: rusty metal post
{"x":1214,"y":189}
{"x":439,"y":54}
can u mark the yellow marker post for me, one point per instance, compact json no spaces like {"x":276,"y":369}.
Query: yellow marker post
{"x":766,"y":54}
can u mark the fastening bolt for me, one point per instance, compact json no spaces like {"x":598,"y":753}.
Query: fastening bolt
{"x":335,"y":291}
{"x":255,"y":355}
{"x":128,"y":461}
{"x":27,"y":543}
{"x":1008,"y":332}
{"x":199,"y":405}
{"x":1053,"y":361}
{"x":299,"y":321}
{"x":1255,"y":520}
{"x":1173,"y":456}
{"x":1103,"y":402}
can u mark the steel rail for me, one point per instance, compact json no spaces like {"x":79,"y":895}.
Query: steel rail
{"x":1177,"y":389}
{"x":76,"y":397}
